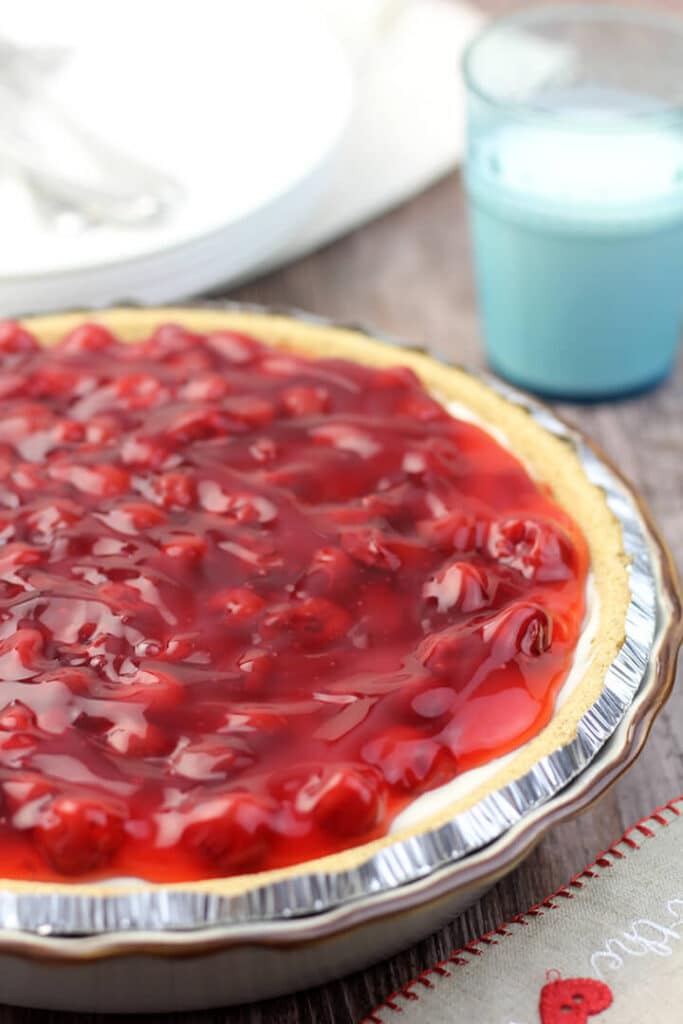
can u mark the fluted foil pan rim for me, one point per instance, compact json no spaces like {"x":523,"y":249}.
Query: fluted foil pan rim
{"x":158,"y":909}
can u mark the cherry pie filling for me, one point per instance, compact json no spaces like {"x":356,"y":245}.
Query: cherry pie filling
{"x":253,"y":604}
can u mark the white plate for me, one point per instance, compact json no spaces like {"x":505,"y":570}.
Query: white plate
{"x":242,"y":101}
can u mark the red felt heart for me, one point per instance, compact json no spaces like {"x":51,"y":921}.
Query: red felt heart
{"x":573,"y":1000}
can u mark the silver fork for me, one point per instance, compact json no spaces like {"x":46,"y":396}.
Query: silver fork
{"x":77,"y":177}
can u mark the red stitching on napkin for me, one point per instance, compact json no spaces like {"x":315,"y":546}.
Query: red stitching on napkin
{"x":462,"y":957}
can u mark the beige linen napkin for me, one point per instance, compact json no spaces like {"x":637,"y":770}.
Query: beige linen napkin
{"x":606,"y":949}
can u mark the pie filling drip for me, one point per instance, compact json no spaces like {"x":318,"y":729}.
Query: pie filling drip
{"x":252,"y":604}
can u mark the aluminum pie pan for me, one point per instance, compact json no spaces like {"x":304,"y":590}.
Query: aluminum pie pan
{"x":406,"y":867}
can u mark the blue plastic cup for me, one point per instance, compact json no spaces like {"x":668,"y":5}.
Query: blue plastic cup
{"x":574,"y":172}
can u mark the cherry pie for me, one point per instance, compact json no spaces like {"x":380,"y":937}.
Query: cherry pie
{"x":260,"y":589}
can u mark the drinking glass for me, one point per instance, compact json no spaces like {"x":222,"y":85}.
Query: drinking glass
{"x":574,"y":173}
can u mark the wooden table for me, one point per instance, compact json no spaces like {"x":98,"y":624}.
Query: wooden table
{"x":409,"y":274}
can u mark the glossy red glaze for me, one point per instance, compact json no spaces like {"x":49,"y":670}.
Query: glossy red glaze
{"x":251,"y":605}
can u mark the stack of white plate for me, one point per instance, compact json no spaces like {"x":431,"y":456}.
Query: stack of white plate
{"x":243,"y":102}
{"x":248,"y":105}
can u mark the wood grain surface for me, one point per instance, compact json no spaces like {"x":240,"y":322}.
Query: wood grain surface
{"x":409,"y":274}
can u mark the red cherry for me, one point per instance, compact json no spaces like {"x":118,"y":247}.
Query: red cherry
{"x":100,"y":429}
{"x":170,"y":340}
{"x":16,"y":749}
{"x":15,"y":339}
{"x":23,"y":421}
{"x":139,"y":390}
{"x":539,"y":551}
{"x":15,"y":556}
{"x":460,"y":585}
{"x":133,"y":517}
{"x":68,"y":432}
{"x":311,"y":623}
{"x":51,"y":381}
{"x":238,"y":349}
{"x":197,"y":424}
{"x":87,"y":337}
{"x":22,"y":654}
{"x":77,"y":834}
{"x":347,"y":437}
{"x":17,"y":717}
{"x":240,"y":508}
{"x":152,"y":689}
{"x":250,"y":508}
{"x":239,"y":604}
{"x":230,"y":833}
{"x":263,"y":450}
{"x":121,"y":598}
{"x":187,"y":546}
{"x":305,"y":401}
{"x":177,"y":648}
{"x":368,"y":546}
{"x":256,"y":666}
{"x":29,"y":477}
{"x":250,"y":410}
{"x":145,"y":452}
{"x":412,"y":554}
{"x":175,"y":490}
{"x":400,"y":505}
{"x":104,"y":481}
{"x":278,"y":364}
{"x":138,"y":740}
{"x":347,"y":803}
{"x":330,"y":571}
{"x":50,"y":517}
{"x":208,"y":387}
{"x":523,"y":628}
